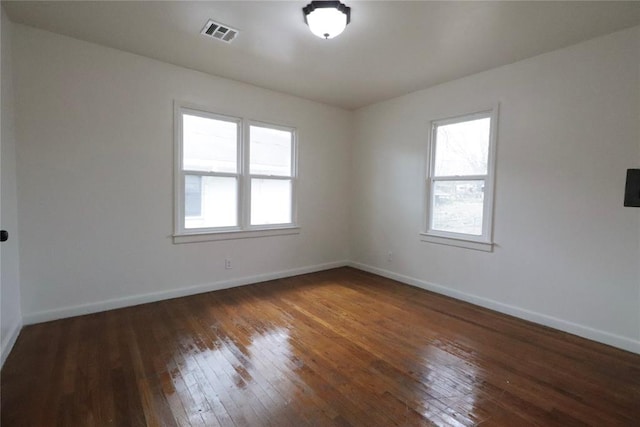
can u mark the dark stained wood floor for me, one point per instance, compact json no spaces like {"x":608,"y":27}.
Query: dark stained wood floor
{"x":340,"y":347}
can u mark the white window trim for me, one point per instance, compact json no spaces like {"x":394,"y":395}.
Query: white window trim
{"x":483,"y":242}
{"x":293,"y":177}
{"x":234,"y":234}
{"x":244,"y":229}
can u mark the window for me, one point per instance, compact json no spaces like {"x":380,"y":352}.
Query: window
{"x":271,"y":172}
{"x":234,"y":178}
{"x":460,"y":176}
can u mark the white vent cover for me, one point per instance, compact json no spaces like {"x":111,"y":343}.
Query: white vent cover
{"x":219,"y":31}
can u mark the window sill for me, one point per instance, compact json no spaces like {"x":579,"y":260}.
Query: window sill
{"x":460,"y":243}
{"x":232,"y":235}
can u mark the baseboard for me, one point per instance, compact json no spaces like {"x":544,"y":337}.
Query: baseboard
{"x":542,"y":319}
{"x":79,"y":310}
{"x":9,"y":340}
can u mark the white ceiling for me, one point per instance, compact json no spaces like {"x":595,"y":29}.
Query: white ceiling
{"x":389,"y":49}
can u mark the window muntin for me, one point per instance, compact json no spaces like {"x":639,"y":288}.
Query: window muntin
{"x":235,"y":175}
{"x":460,"y":177}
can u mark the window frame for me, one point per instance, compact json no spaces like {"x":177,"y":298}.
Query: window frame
{"x":243,"y":229}
{"x":483,"y":242}
{"x":249,"y":176}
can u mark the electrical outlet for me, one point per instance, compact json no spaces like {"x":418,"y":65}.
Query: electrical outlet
{"x":389,"y":256}
{"x":227,"y":264}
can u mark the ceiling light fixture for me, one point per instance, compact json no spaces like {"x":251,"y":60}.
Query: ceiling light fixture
{"x":326,"y":19}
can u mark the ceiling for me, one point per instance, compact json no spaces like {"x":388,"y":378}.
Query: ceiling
{"x":389,"y":49}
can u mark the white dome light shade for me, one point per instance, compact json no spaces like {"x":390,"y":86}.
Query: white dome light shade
{"x":327,"y":19}
{"x":327,"y":23}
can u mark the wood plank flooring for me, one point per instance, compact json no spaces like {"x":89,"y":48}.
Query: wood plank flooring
{"x":335,"y":348}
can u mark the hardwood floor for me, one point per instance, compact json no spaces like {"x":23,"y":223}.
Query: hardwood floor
{"x":340,"y":347}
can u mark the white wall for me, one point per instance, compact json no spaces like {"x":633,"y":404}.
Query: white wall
{"x":95,"y":161}
{"x":10,"y":316}
{"x":567,"y":250}
{"x":94,"y":164}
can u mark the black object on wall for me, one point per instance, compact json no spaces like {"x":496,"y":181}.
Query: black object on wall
{"x":632,"y":190}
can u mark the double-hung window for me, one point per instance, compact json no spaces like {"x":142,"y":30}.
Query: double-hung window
{"x":234,"y":178}
{"x":460,"y":181}
{"x":271,"y":173}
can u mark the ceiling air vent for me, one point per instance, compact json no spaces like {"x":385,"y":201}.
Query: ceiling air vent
{"x":219,"y":31}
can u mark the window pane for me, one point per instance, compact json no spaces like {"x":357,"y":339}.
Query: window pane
{"x":462,"y":148}
{"x":458,"y":206}
{"x":218,"y":202}
{"x":270,"y":151}
{"x":209,"y":145}
{"x":270,"y":201}
{"x":192,"y":195}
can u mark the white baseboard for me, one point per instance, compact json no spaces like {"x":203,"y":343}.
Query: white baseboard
{"x":9,"y":340}
{"x":542,"y":319}
{"x":79,"y":310}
